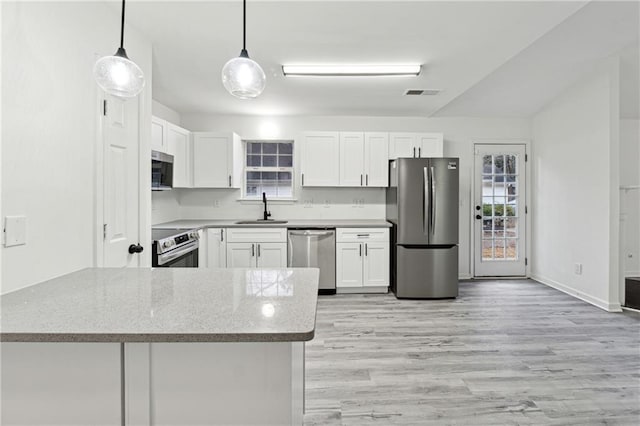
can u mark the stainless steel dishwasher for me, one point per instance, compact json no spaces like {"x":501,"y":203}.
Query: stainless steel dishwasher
{"x":315,"y":248}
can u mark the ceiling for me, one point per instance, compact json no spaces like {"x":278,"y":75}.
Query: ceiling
{"x":462,"y":46}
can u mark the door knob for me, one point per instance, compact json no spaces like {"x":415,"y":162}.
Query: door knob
{"x":478,"y":216}
{"x":135,"y":248}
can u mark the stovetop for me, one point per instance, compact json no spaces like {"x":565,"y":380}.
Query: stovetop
{"x":161,"y":234}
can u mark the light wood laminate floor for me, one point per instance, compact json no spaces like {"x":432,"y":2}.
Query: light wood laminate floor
{"x":504,"y":352}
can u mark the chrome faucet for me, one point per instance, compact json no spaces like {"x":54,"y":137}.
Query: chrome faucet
{"x":266,"y":213}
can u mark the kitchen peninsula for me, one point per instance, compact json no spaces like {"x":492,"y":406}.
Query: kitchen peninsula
{"x":158,"y":346}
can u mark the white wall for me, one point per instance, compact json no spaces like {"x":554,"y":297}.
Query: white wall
{"x":162,"y":111}
{"x":49,"y":130}
{"x":338,"y":203}
{"x":575,"y":209}
{"x":630,"y":199}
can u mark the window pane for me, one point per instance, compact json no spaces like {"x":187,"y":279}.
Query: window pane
{"x":284,"y":190}
{"x":269,"y":175}
{"x":253,"y":176}
{"x":284,"y":176}
{"x":487,"y":249}
{"x":487,"y":189}
{"x":285,"y":161}
{"x":254,"y":147}
{"x":269,"y":148}
{"x":499,"y":249}
{"x":487,"y":210}
{"x":512,"y":227}
{"x":253,"y":160}
{"x":511,"y":210}
{"x":252,"y":188}
{"x":285,"y":148}
{"x":511,"y":250}
{"x":486,"y":164}
{"x":270,"y":188}
{"x":498,"y":165}
{"x":269,"y":161}
{"x":510,"y":164}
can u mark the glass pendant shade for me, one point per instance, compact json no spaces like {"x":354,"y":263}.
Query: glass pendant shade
{"x":118,"y":75}
{"x":243,"y":77}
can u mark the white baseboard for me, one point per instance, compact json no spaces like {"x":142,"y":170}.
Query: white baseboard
{"x":609,"y":307}
{"x":465,"y":276}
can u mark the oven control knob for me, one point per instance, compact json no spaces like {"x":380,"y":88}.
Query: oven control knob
{"x":193,"y":235}
{"x":167,"y":244}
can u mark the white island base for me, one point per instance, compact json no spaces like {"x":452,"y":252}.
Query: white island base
{"x":252,"y":383}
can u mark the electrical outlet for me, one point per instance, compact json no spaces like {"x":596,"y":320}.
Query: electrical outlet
{"x":577,"y":268}
{"x":327,"y":204}
{"x":308,"y":203}
{"x":361,"y":202}
{"x":216,"y":204}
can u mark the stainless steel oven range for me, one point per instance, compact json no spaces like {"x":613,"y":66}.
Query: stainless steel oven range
{"x":175,"y":248}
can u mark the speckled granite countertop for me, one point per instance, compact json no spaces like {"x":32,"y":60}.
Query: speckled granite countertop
{"x":165,"y":305}
{"x":297,"y":223}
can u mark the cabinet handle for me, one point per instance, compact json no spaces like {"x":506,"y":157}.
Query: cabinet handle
{"x":303,"y":179}
{"x":258,"y":250}
{"x":229,"y":181}
{"x":419,"y":155}
{"x":360,"y":249}
{"x":222,"y":235}
{"x":360,"y":180}
{"x":366,"y":251}
{"x":414,"y":152}
{"x":367,"y":179}
{"x":363,"y":235}
{"x":253,"y":250}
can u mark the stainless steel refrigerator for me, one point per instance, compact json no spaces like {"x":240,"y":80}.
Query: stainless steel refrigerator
{"x":422,"y":204}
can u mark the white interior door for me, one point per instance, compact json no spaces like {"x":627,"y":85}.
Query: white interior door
{"x":499,"y":213}
{"x":121,"y":183}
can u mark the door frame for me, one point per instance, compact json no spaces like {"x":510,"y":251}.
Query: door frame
{"x":144,"y":179}
{"x":528,"y":204}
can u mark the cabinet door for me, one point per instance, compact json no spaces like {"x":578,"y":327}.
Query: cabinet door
{"x":431,"y":145}
{"x":376,"y":264}
{"x":216,"y":248}
{"x":241,"y":255}
{"x":376,"y":159}
{"x":351,"y":159}
{"x":203,"y":248}
{"x":271,"y":255}
{"x":349,"y":265}
{"x":212,"y":155}
{"x":320,"y":159}
{"x":179,"y":147}
{"x":402,"y":145}
{"x":158,"y":134}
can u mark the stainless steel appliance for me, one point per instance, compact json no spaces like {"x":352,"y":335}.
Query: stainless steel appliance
{"x":161,"y":171}
{"x":315,"y":248}
{"x":422,"y":204}
{"x":174,"y":248}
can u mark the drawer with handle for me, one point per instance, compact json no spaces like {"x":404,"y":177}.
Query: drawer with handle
{"x":349,"y":235}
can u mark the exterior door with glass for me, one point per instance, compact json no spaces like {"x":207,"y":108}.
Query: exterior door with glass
{"x":499,"y":210}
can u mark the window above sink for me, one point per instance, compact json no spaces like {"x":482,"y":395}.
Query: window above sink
{"x":269,"y":168}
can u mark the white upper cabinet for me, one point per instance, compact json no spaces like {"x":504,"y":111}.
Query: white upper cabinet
{"x":320,"y":159}
{"x":159,"y":134}
{"x":415,"y":145}
{"x":180,"y":147}
{"x":363,"y":159}
{"x":376,"y":160}
{"x":351,"y":159}
{"x":217,"y":160}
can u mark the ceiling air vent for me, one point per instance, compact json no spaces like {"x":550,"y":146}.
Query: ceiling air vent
{"x":421,"y":92}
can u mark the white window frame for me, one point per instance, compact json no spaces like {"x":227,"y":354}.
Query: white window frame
{"x":246,"y":168}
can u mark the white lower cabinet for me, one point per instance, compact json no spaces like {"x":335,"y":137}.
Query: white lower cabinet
{"x":362,"y":260}
{"x":257,"y":255}
{"x":256,"y":248}
{"x":216,"y":248}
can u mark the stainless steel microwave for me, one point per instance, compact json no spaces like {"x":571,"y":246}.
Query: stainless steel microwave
{"x":161,"y":171}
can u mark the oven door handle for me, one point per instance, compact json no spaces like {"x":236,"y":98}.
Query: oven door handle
{"x":174,"y":254}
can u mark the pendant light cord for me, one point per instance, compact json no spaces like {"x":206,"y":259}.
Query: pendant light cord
{"x":122,"y":28}
{"x":244,"y":24}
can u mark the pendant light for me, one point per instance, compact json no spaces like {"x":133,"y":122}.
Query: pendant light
{"x":242,"y":76}
{"x":117,"y":74}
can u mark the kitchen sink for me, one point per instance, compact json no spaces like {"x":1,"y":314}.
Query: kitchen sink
{"x":260,"y":222}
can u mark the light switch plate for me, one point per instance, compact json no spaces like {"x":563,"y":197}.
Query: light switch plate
{"x":15,"y":231}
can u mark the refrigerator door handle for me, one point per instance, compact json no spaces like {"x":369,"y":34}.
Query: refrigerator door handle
{"x":425,"y":205}
{"x":433,"y":198}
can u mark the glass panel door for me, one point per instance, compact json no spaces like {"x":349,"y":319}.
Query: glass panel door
{"x":499,"y":219}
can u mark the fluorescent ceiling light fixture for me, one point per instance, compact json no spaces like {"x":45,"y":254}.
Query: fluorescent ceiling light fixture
{"x":352,"y":70}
